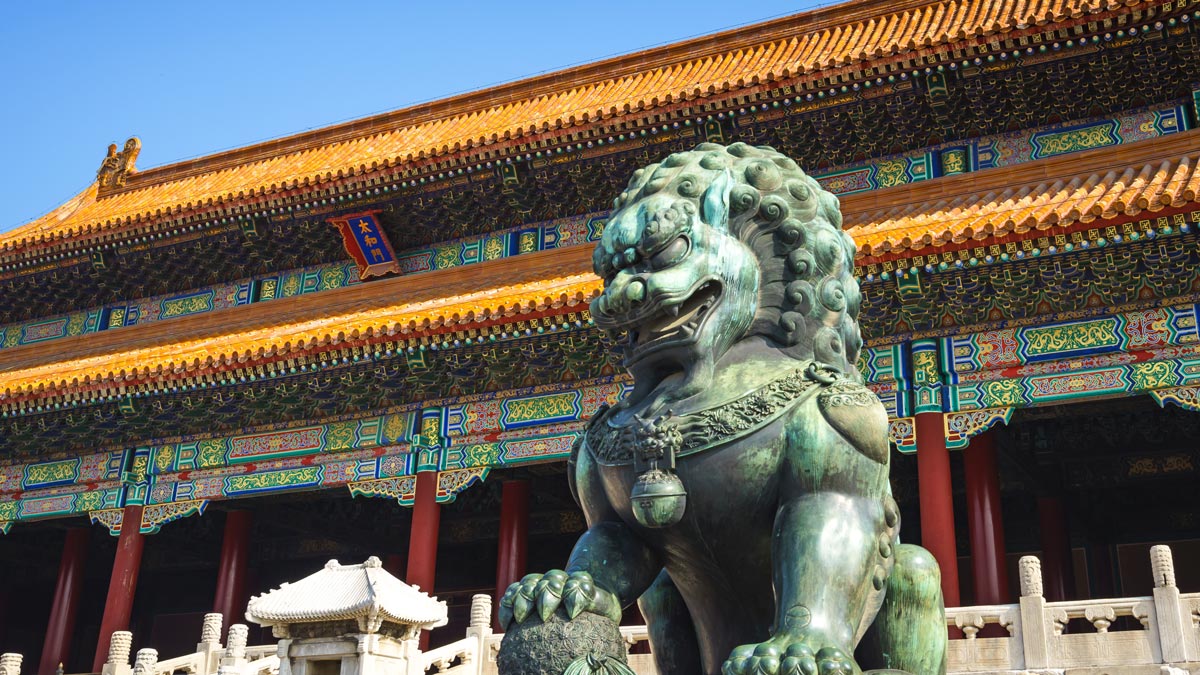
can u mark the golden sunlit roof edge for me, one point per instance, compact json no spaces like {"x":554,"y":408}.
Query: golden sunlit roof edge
{"x":823,"y":41}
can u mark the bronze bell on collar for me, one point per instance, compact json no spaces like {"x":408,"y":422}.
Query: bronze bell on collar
{"x":658,"y":497}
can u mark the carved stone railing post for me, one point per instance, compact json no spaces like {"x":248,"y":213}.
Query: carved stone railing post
{"x":210,"y":631}
{"x":238,"y":633}
{"x":481,"y":615}
{"x":118,"y":653}
{"x":480,"y":628}
{"x":235,"y":649}
{"x":1172,"y":621}
{"x":10,"y":663}
{"x":1035,"y":636}
{"x":210,"y":641}
{"x":146,"y":660}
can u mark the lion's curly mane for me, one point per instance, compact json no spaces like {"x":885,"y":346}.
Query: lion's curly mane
{"x":808,"y":297}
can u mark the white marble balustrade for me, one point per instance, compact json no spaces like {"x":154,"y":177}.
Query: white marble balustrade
{"x":1154,"y":635}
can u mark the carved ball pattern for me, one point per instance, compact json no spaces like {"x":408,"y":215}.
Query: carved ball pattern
{"x":536,"y":648}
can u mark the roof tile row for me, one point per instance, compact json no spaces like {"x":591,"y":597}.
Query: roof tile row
{"x":1100,"y":184}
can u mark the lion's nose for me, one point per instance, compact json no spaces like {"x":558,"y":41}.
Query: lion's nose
{"x":635,"y":292}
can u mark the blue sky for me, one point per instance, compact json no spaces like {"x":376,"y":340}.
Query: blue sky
{"x":192,"y":77}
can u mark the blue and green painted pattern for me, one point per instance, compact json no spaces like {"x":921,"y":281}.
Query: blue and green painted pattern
{"x":76,"y":323}
{"x":58,"y":503}
{"x":534,"y":424}
{"x":1005,"y":149}
{"x":1005,"y":348}
{"x":1131,"y":353}
{"x":887,"y":370}
{"x":277,"y":444}
{"x":95,"y":468}
{"x":882,"y":173}
{"x":1084,"y":383}
{"x":515,"y":241}
{"x":525,"y":426}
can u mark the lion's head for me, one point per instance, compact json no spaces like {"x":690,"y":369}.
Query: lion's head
{"x":721,"y":244}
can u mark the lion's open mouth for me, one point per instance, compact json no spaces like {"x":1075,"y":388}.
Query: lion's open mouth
{"x":676,"y":322}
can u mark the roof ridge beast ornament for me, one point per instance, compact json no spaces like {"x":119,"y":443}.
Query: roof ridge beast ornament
{"x":740,"y":491}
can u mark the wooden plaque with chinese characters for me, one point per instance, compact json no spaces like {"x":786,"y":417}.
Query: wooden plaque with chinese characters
{"x":367,"y":244}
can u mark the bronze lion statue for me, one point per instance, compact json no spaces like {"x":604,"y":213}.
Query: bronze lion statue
{"x":740,"y":491}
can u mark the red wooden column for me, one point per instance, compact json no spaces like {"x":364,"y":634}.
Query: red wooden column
{"x":986,"y":520}
{"x":61,"y":627}
{"x":123,"y":583}
{"x":1058,"y":569}
{"x":514,"y":533}
{"x":230,"y":598}
{"x":423,"y":539}
{"x":937,"y":500}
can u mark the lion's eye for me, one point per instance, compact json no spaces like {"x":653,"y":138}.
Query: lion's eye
{"x":670,"y":254}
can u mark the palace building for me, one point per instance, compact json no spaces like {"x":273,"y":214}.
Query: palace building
{"x":374,"y":338}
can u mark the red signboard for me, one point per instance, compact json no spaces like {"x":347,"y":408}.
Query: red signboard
{"x":367,"y":244}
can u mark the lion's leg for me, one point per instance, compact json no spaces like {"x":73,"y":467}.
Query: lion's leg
{"x":672,"y":635}
{"x":831,"y":558}
{"x":909,"y":632}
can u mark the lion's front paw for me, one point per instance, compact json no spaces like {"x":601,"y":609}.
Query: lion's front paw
{"x":545,"y":593}
{"x":782,"y":655}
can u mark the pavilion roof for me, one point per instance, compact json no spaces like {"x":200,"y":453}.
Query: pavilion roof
{"x":841,"y":39}
{"x":340,"y":592}
{"x":1099,"y":185}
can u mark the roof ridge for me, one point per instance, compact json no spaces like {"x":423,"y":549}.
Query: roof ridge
{"x":530,"y":88}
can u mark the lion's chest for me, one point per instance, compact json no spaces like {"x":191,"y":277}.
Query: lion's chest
{"x":732,"y":488}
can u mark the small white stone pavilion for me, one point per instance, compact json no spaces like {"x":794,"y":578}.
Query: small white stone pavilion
{"x":347,"y":620}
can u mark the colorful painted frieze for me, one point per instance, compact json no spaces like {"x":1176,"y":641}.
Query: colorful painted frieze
{"x":404,"y":489}
{"x":1005,"y":150}
{"x":94,"y":468}
{"x":1084,"y":383}
{"x":1008,"y":349}
{"x":885,"y":370}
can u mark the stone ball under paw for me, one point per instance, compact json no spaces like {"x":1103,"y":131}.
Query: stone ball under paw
{"x":536,"y":648}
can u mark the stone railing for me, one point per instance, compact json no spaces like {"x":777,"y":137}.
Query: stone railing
{"x":210,"y":658}
{"x":1161,"y":630}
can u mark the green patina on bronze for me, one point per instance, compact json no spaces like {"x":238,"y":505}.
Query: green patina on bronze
{"x":740,"y":491}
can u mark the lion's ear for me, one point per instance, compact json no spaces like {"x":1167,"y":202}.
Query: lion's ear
{"x":714,"y":206}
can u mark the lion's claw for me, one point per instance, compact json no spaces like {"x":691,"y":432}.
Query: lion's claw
{"x":833,"y":661}
{"x":549,"y":591}
{"x":543,"y":594}
{"x":782,"y":655}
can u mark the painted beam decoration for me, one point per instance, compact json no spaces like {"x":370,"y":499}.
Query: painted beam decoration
{"x":367,"y":244}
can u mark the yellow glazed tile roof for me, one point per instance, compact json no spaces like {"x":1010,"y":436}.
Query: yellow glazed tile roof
{"x":821,"y":42}
{"x":1059,"y":192}
{"x":293,"y":327}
